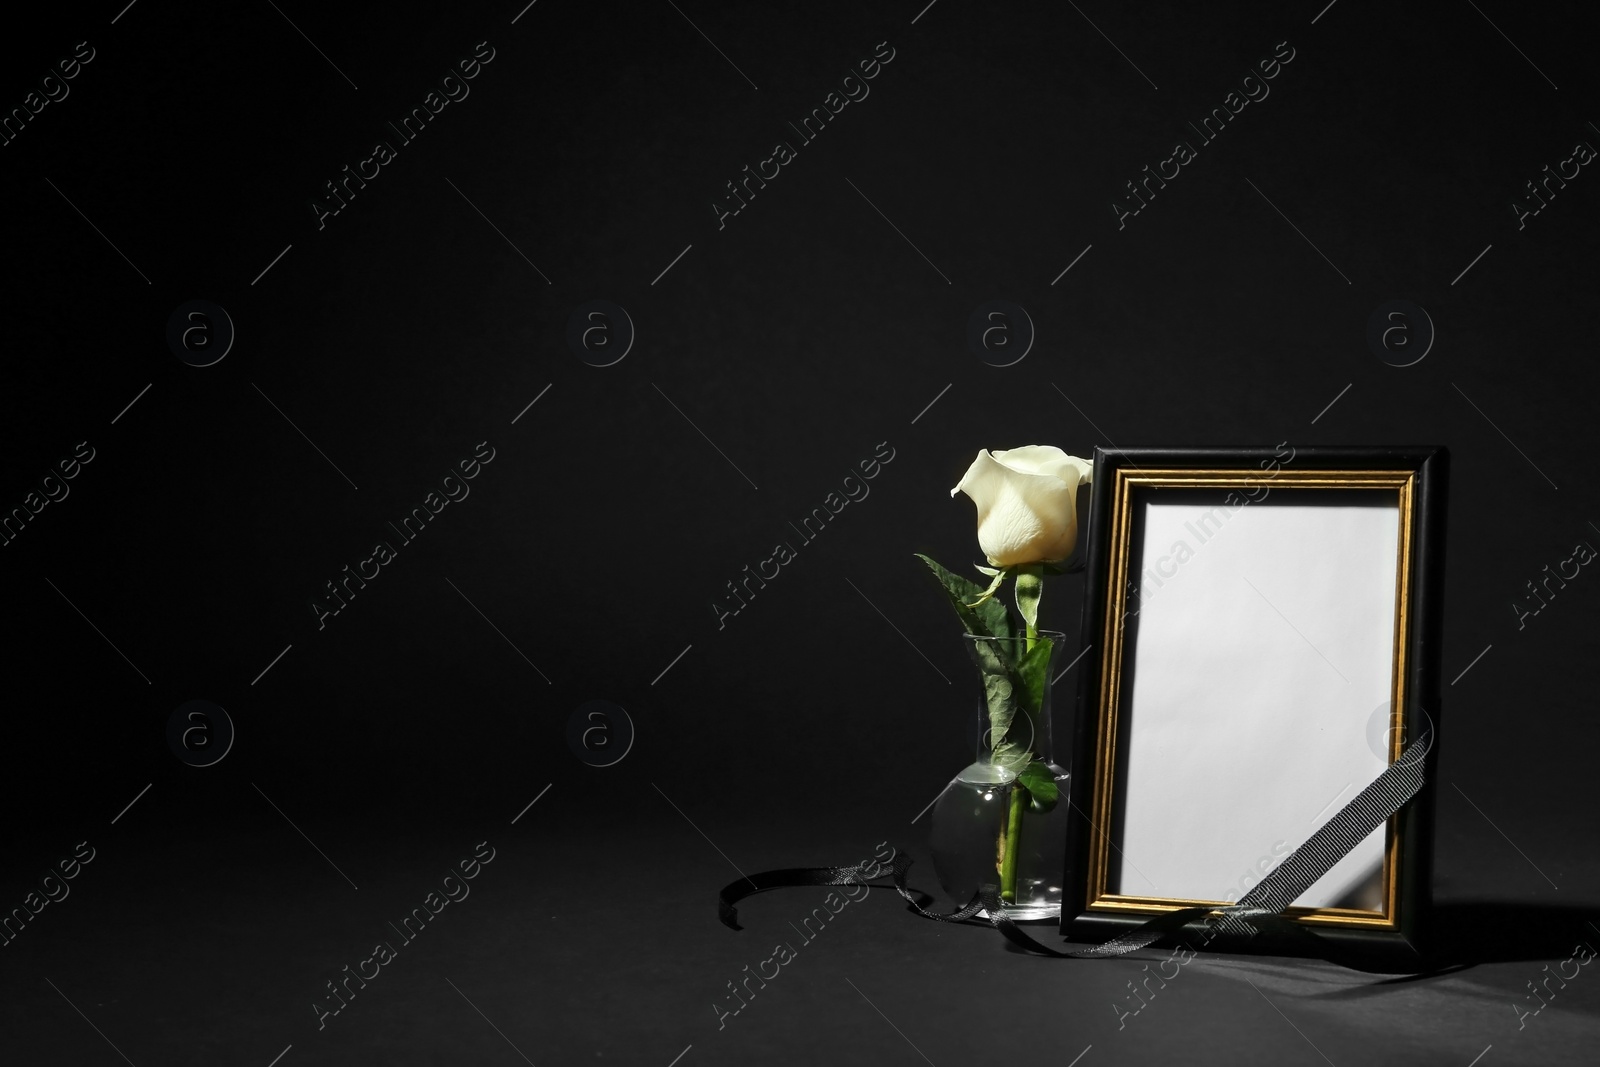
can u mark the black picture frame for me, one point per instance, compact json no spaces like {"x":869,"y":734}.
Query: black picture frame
{"x":1092,"y":913}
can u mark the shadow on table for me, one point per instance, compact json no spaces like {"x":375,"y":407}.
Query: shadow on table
{"x":1468,"y":933}
{"x":1484,"y":931}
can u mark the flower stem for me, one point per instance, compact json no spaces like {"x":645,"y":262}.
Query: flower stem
{"x":1011,"y":838}
{"x":1009,"y":842}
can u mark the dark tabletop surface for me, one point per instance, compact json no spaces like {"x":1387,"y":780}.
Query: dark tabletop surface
{"x":592,"y":936}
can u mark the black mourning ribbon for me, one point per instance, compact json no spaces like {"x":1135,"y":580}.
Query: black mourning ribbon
{"x":1260,"y":909}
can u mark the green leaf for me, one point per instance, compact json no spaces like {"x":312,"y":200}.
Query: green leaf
{"x":1033,"y":674}
{"x":1011,"y":756}
{"x":1004,"y":688}
{"x":996,"y":619}
{"x":959,"y":590}
{"x":1030,"y":587}
{"x":1040,"y":784}
{"x":987,"y":619}
{"x":1000,"y":696}
{"x":1019,"y":690}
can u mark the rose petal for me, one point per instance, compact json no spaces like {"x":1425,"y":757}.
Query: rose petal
{"x":1022,"y":517}
{"x":1046,"y":459}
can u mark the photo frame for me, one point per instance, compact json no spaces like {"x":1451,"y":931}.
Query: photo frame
{"x":1261,"y":634}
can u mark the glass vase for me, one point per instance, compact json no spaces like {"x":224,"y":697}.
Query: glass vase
{"x":987,"y":827}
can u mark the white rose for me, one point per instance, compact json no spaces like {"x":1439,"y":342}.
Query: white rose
{"x":1027,"y":502}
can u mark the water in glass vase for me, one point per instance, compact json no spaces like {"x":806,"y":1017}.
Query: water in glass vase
{"x":969,"y":835}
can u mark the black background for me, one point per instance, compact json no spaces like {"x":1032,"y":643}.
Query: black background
{"x":805,"y":331}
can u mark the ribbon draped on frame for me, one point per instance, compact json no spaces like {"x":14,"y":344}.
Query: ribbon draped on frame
{"x":1261,"y":908}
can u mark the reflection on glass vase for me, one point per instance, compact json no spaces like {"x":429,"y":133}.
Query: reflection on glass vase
{"x":987,"y":826}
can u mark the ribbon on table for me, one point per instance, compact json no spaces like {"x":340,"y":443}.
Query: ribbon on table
{"x":1261,"y":908}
